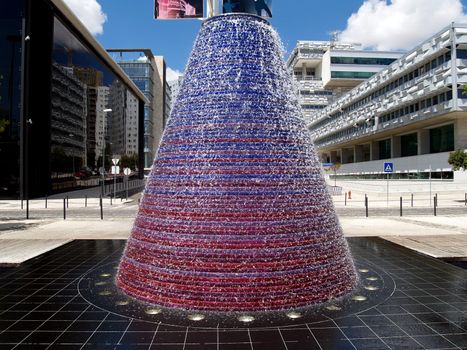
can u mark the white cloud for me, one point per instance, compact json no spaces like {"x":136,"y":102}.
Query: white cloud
{"x":400,"y":24}
{"x":172,"y":74}
{"x":90,"y":13}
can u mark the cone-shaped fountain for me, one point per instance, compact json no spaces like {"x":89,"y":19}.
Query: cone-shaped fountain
{"x":236,"y":215}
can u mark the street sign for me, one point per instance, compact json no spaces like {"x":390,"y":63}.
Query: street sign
{"x":115,"y":161}
{"x":115,"y":170}
{"x":127,"y":171}
{"x":327,"y":165}
{"x":388,"y":167}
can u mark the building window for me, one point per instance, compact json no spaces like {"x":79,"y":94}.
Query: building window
{"x":449,"y":95}
{"x":313,"y":106}
{"x":376,"y":61}
{"x":462,"y":54}
{"x":79,"y":93}
{"x":409,"y":145}
{"x":351,"y":75}
{"x":442,"y":139}
{"x":385,"y":149}
{"x":10,"y":97}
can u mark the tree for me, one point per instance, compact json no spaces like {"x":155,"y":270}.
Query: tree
{"x":91,"y":158}
{"x":108,"y":157}
{"x":458,"y":160}
{"x":336,"y":166}
{"x":3,"y":124}
{"x":129,"y":161}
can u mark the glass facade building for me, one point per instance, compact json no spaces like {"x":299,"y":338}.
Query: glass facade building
{"x":54,"y":87}
{"x":149,"y":73}
{"x":142,"y":72}
{"x":11,"y":28}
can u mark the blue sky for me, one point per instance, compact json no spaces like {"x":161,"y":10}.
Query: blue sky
{"x":379,"y":24}
{"x":133,"y":25}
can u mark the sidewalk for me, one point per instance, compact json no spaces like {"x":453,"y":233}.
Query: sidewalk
{"x":440,"y":237}
{"x":120,"y":228}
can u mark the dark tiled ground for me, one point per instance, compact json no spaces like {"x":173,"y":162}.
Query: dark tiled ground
{"x":40,"y":308}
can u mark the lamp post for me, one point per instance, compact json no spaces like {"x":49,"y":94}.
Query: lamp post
{"x":107,"y":110}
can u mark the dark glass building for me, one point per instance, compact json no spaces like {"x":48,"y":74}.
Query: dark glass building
{"x":57,"y":87}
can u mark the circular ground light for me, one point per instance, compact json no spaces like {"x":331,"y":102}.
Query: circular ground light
{"x":371,"y":292}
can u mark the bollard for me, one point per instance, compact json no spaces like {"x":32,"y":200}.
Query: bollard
{"x":102,"y":209}
{"x":401,"y":206}
{"x":64,"y":208}
{"x":46,"y":202}
{"x":21,"y":203}
{"x":366,"y":205}
{"x":434,"y":205}
{"x":345,"y":203}
{"x":111,"y":200}
{"x":67,"y":202}
{"x":86,"y":201}
{"x":411,"y":201}
{"x":27,"y":209}
{"x":465,"y":199}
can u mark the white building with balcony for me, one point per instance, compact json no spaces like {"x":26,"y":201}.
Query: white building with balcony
{"x":323,"y":71}
{"x":412,"y":113}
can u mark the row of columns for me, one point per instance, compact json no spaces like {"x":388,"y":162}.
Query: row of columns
{"x":371,"y":150}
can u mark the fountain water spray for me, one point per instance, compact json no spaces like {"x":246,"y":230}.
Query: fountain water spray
{"x":236,"y":215}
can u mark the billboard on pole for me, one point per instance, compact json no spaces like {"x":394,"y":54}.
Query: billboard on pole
{"x":176,"y":9}
{"x":261,"y":8}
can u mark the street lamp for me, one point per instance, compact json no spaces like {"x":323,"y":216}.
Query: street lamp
{"x":107,"y":110}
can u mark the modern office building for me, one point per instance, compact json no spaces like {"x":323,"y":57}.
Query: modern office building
{"x":148,"y":72}
{"x":325,"y":70}
{"x":175,"y":86}
{"x":168,"y":101}
{"x":56,"y":81}
{"x":412,"y":113}
{"x":68,"y":115}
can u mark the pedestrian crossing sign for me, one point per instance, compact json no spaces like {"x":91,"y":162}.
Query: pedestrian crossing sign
{"x":388,"y":167}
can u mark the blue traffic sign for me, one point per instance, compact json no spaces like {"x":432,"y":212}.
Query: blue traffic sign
{"x":388,"y":167}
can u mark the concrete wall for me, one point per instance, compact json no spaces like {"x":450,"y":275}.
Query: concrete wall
{"x":460,"y":133}
{"x":159,"y":101}
{"x":403,"y":187}
{"x":421,"y":163}
{"x":326,"y":67}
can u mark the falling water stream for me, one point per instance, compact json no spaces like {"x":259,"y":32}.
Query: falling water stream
{"x":236,"y":215}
